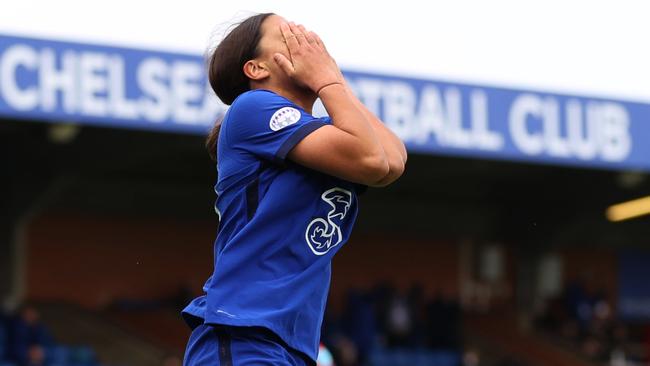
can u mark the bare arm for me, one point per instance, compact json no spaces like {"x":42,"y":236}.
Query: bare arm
{"x":392,"y":145}
{"x":349,"y":149}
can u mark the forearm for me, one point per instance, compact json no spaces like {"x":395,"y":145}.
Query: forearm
{"x":346,"y":116}
{"x":393,"y":145}
{"x":357,"y":152}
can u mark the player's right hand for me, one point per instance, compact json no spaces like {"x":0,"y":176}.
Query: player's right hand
{"x":310,"y":66}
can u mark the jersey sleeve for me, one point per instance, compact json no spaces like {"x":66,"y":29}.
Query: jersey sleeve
{"x":269,"y":125}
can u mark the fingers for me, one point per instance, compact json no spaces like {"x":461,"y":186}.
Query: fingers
{"x":318,"y":41}
{"x":284,"y":63}
{"x":289,"y":37}
{"x":296,"y":35}
{"x":300,"y":36}
{"x":308,"y":35}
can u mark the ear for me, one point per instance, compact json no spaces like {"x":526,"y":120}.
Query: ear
{"x":256,"y":70}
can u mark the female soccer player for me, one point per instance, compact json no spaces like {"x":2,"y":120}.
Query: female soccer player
{"x":286,"y":193}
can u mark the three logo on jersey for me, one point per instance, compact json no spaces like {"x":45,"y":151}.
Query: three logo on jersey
{"x":323,"y":234}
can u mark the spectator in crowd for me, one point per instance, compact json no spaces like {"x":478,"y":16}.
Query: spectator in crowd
{"x":35,"y":355}
{"x":28,"y":342}
{"x":399,"y":321}
{"x":359,"y":323}
{"x":24,"y":331}
{"x":386,"y":318}
{"x":583,"y":317}
{"x":471,"y":357}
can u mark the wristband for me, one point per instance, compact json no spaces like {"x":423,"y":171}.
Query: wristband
{"x":326,"y":85}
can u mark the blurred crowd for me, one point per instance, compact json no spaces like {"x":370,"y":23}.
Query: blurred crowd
{"x":385,"y":318}
{"x":583,"y":318}
{"x":26,"y":341}
{"x":386,"y":326}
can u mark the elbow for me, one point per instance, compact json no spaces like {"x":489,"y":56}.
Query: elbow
{"x":396,"y":168}
{"x":375,"y":168}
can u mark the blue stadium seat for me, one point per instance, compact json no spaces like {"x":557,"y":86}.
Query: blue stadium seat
{"x":444,"y":358}
{"x":82,"y":356}
{"x":403,"y":357}
{"x":57,"y":355}
{"x":3,"y":340}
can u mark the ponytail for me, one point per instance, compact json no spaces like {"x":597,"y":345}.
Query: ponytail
{"x":226,"y":64}
{"x":213,"y":137}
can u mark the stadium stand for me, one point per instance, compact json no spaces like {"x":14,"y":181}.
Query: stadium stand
{"x":25,"y":340}
{"x":113,"y":344}
{"x":582,"y":319}
{"x":386,"y":326}
{"x":382,"y":326}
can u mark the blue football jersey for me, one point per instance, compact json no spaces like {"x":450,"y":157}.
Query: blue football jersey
{"x":280,"y":225}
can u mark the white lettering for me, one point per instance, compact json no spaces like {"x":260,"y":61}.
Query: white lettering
{"x":603,"y":131}
{"x":581,"y":134}
{"x":212,"y":107}
{"x":120,"y":105}
{"x":53,"y":80}
{"x":151,"y":76}
{"x":399,"y":104}
{"x":483,"y":138}
{"x":15,"y":57}
{"x":552,"y":129}
{"x":456,"y":135}
{"x":524,"y":106}
{"x":431,"y":117}
{"x":614,"y":133}
{"x":186,"y":88}
{"x":93,"y":83}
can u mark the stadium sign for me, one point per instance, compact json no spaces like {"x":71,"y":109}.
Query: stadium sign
{"x":119,"y":87}
{"x":61,"y":81}
{"x":487,"y":122}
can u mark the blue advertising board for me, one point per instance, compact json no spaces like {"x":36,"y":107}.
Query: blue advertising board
{"x":120,"y":87}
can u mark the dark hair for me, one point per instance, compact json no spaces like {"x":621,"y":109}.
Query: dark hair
{"x":226,"y":67}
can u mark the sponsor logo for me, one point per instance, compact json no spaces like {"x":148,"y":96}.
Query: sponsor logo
{"x":323,"y":234}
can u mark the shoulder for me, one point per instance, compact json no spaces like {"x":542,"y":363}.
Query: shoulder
{"x":259,"y":99}
{"x":247,"y":110}
{"x":256,"y":109}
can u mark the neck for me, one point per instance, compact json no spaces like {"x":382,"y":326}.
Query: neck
{"x":303,"y":98}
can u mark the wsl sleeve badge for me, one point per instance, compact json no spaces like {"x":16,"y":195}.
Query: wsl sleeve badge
{"x":284,"y":117}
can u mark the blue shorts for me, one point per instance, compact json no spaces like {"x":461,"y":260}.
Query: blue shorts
{"x":239,"y":346}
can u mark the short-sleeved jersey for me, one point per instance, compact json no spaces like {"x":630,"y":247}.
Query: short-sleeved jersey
{"x":280,"y":225}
